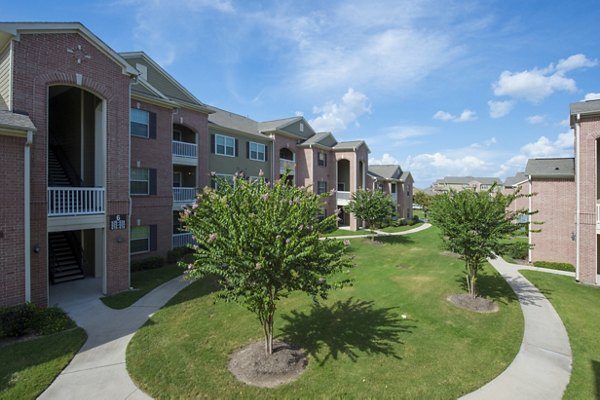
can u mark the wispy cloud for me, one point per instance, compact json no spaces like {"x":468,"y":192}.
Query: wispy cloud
{"x":536,"y":119}
{"x":499,"y":109}
{"x":591,"y":96}
{"x":386,"y":159}
{"x":466,"y":116}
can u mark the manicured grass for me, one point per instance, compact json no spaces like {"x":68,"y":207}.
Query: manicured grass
{"x":359,"y":344}
{"x":27,"y":368}
{"x":346,"y":232}
{"x":579,"y":309}
{"x":419,"y":213}
{"x":393,"y":229}
{"x":143,"y":282}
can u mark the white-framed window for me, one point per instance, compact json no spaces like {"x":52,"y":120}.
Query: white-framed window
{"x":140,"y":123}
{"x":139,"y":241}
{"x":224,"y":145}
{"x":321,"y":187}
{"x":214,"y":183}
{"x":301,"y":127}
{"x":322,"y":159}
{"x":139,"y":181}
{"x":257,"y":151}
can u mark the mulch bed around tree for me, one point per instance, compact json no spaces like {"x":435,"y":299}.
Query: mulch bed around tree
{"x":253,"y":366}
{"x":477,"y":304}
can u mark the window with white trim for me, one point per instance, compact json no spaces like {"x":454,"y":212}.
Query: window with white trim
{"x":214,"y":183}
{"x":321,"y":187}
{"x":257,"y":151}
{"x":322,"y":159}
{"x":140,"y":122}
{"x":224,"y":145}
{"x":139,"y":241}
{"x":139,"y":181}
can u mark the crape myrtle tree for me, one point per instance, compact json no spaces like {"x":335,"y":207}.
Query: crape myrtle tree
{"x":424,"y":200}
{"x":372,"y":206}
{"x":473,"y":223}
{"x":263,"y":242}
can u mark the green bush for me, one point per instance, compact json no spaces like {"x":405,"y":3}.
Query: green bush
{"x":147,"y":263}
{"x":555,"y":265}
{"x":27,"y":318}
{"x":400,"y":222}
{"x":178,"y":254}
{"x":518,"y":250}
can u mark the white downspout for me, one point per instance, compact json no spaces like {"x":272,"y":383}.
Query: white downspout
{"x":529,"y":238}
{"x":578,"y":197}
{"x":27,"y":216}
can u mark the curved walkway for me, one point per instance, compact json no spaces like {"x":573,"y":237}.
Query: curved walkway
{"x":542,"y":367}
{"x":98,"y":370}
{"x":381,"y":233}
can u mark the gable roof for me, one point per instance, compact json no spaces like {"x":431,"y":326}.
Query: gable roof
{"x":351,"y":145}
{"x":551,"y":167}
{"x":233,"y":121}
{"x":10,"y":30}
{"x":325,"y":139}
{"x":463,"y":180}
{"x":270,"y":126}
{"x":512,"y":181}
{"x":387,"y":172}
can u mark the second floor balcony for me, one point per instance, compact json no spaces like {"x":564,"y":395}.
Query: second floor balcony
{"x":73,"y":201}
{"x":343,"y":198}
{"x":185,"y":153}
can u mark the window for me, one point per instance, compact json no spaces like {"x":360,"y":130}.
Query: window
{"x":139,"y":182}
{"x":225,"y":145}
{"x":322,"y":159}
{"x":321,"y":187}
{"x":140,"y":123}
{"x":393,"y":188}
{"x":257,"y":151}
{"x":341,"y":187}
{"x":140,"y":239}
{"x":301,"y":127}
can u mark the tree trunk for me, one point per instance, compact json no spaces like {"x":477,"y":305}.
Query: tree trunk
{"x":267,"y":324}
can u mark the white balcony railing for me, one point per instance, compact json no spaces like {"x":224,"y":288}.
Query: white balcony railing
{"x":182,"y":239}
{"x":185,"y":149}
{"x":287,"y":164}
{"x":343,"y":198}
{"x":184,"y":194}
{"x":65,"y":201}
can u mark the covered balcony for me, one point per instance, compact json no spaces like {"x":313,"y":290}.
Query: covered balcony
{"x":184,"y":146}
{"x":184,"y":186}
{"x":287,"y":161}
{"x":343,"y":195}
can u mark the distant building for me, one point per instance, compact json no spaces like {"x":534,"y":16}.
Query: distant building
{"x":399,"y":184}
{"x":460,"y":183}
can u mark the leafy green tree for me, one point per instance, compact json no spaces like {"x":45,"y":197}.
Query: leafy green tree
{"x":424,"y":200}
{"x":263,"y":242}
{"x":372,"y":206}
{"x":473,"y":223}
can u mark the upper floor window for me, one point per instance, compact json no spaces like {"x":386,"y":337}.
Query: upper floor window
{"x":218,"y":178}
{"x":322,"y":159}
{"x":139,"y":182}
{"x":225,"y":145}
{"x":321,"y":187}
{"x":257,"y":151}
{"x":140,"y":123}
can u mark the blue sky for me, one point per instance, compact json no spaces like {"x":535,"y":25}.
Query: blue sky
{"x":441,"y":87}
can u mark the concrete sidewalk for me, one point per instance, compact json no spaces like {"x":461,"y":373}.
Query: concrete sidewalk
{"x":382,"y":234}
{"x":98,"y":370}
{"x":542,"y":368}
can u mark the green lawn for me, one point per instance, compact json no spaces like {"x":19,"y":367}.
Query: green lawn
{"x":28,"y":368}
{"x":346,"y":232}
{"x":393,"y":229}
{"x":579,"y":309}
{"x":143,"y":282}
{"x":359,"y":344}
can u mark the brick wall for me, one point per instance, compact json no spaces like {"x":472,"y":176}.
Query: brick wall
{"x":12,"y":259}
{"x":42,"y":60}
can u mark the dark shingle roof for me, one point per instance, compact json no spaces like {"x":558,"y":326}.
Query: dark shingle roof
{"x":583,"y":107}
{"x":277,"y":124}
{"x":349,"y":145}
{"x":385,"y":171}
{"x":322,"y":138}
{"x":463,"y":180}
{"x":233,"y":121}
{"x":551,"y":167}
{"x":514,"y":180}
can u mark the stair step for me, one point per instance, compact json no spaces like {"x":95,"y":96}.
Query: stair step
{"x":69,"y":278}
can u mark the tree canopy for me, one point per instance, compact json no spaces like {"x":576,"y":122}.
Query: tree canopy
{"x":473,"y":223}
{"x":262,"y":242}
{"x":372,"y":206}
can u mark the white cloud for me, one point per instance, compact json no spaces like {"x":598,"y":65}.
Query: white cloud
{"x":465,"y":116}
{"x":336,"y":117}
{"x":537,"y":84}
{"x":386,"y":159}
{"x":403,"y":132}
{"x":536,"y":119}
{"x":591,"y":96}
{"x":562,"y":146}
{"x":564,"y":122}
{"x":443,"y":116}
{"x":499,"y":109}
{"x":430,"y":166}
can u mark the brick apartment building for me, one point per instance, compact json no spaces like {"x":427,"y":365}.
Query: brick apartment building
{"x":397,"y":183}
{"x":107,"y":148}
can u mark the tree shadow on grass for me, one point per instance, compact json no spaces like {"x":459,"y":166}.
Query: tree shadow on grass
{"x":347,"y":328}
{"x":198,"y":288}
{"x":400,"y":239}
{"x":491,"y":286}
{"x":596,"y":369}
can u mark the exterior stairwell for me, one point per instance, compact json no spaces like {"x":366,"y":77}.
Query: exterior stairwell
{"x":56,"y":173}
{"x":66,"y":257}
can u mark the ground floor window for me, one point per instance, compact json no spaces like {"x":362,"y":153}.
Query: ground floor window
{"x":321,"y":187}
{"x":140,"y":239}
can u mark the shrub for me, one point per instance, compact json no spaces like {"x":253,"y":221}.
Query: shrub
{"x":517,"y":250}
{"x":555,"y":265}
{"x":27,"y":318}
{"x":147,"y":263}
{"x":178,"y":254}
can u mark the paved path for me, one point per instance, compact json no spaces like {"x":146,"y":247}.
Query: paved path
{"x":98,"y":370}
{"x":542,"y":368}
{"x":381,"y":233}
